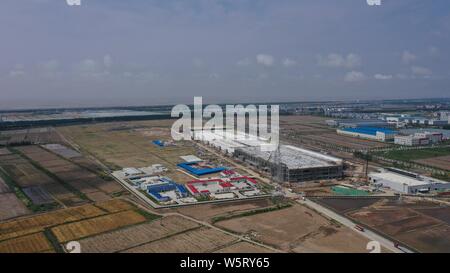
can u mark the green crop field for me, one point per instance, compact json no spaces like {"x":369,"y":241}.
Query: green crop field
{"x":410,"y":155}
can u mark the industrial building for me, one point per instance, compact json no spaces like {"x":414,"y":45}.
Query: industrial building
{"x":419,"y":139}
{"x":371,"y":133}
{"x":293,"y":164}
{"x":224,"y":188}
{"x":407,"y":182}
{"x":354,"y":123}
{"x":200,"y":168}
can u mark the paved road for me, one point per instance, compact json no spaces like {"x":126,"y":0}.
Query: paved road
{"x":385,"y":242}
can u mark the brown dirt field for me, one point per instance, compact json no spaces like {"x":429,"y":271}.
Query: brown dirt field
{"x":61,"y":193}
{"x":441,"y":162}
{"x":114,"y":205}
{"x":373,"y":217}
{"x":408,"y":224}
{"x":134,"y":236}
{"x":288,"y":229}
{"x":25,"y":174}
{"x":207,"y":211}
{"x":98,"y":196}
{"x":127,"y":147}
{"x":443,"y":214}
{"x":34,"y":243}
{"x":85,"y":228}
{"x":32,"y":224}
{"x":429,"y":240}
{"x":203,"y":240}
{"x":11,"y":206}
{"x":243,"y":247}
{"x":3,"y":186}
{"x":420,"y":224}
{"x":333,"y":240}
{"x":345,"y":205}
{"x":4,"y":151}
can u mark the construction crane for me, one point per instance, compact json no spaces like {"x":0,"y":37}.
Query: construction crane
{"x":277,"y":169}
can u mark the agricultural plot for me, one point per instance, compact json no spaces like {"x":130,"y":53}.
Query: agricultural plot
{"x":77,"y":178}
{"x":4,"y":151}
{"x":23,"y":226}
{"x":243,"y":247}
{"x":207,"y":212}
{"x":89,"y":227}
{"x":114,"y":205}
{"x":38,"y":195}
{"x":421,"y":225}
{"x":288,"y":229}
{"x":314,"y":131}
{"x":23,"y":172}
{"x":11,"y":206}
{"x":344,"y":205}
{"x":33,"y":136}
{"x":134,"y":236}
{"x":62,"y":150}
{"x":440,"y":162}
{"x":33,"y":243}
{"x":3,"y":186}
{"x":196,"y":241}
{"x":121,"y":145}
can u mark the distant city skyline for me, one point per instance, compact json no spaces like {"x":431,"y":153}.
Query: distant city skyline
{"x":113,"y":53}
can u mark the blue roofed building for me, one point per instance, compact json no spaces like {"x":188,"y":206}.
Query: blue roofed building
{"x":372,"y":133}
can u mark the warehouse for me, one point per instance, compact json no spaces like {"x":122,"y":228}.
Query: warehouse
{"x":407,"y":182}
{"x":372,"y":133}
{"x":295,"y":164}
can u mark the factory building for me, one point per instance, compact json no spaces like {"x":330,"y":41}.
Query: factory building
{"x":371,"y":133}
{"x":419,"y":139}
{"x":354,"y":123}
{"x":407,"y":182}
{"x":294,"y":164}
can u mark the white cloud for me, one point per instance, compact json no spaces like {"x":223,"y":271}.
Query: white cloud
{"x":408,"y":57}
{"x":383,"y":77}
{"x":433,"y":51}
{"x":198,"y":63}
{"x":264,"y":59}
{"x":244,"y":62}
{"x":49,"y":68}
{"x":337,"y":60}
{"x":355,"y":76}
{"x":421,"y":71}
{"x":107,"y":61}
{"x":17,"y":71}
{"x":289,"y":62}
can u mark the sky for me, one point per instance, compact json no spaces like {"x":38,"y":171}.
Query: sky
{"x":146,"y":52}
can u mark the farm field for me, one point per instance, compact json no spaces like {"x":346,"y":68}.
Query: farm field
{"x":419,"y":224}
{"x":243,"y":247}
{"x":89,"y":227}
{"x":11,"y":206}
{"x":134,"y":236}
{"x":33,"y":136}
{"x":28,"y":225}
{"x":33,"y":243}
{"x":441,"y":162}
{"x":200,"y":240}
{"x":80,"y":180}
{"x":312,"y":130}
{"x":31,"y":234}
{"x":129,"y":144}
{"x":207,"y":212}
{"x":297,"y":229}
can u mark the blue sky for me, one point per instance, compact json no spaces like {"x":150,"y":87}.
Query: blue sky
{"x":135,"y":52}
